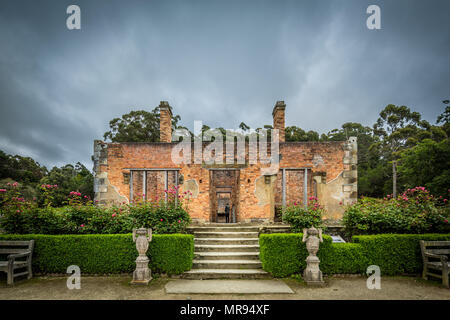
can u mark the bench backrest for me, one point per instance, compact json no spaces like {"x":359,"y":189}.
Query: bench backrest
{"x":436,"y":247}
{"x":10,"y":247}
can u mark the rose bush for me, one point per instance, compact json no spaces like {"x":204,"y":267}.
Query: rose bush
{"x":300,"y":217}
{"x":82,"y":216}
{"x":414,"y":211}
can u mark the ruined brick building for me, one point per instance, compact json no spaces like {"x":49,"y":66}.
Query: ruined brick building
{"x":127,"y":172}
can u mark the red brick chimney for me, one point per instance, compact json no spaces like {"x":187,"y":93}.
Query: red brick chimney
{"x":278,"y":119}
{"x":165,"y":122}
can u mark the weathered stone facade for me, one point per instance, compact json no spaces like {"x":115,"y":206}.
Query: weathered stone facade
{"x":131,"y":171}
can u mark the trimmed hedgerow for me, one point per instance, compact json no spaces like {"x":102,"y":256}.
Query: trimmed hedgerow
{"x":172,"y":253}
{"x":282,"y":254}
{"x":343,"y":258}
{"x":111,"y":253}
{"x":396,"y":253}
{"x":285,"y":254}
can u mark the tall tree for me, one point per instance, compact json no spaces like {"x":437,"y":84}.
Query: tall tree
{"x":366,"y":159}
{"x":427,"y":164}
{"x":20,"y":169}
{"x":137,"y":126}
{"x":444,"y":118}
{"x":397,"y":128}
{"x":294,"y":133}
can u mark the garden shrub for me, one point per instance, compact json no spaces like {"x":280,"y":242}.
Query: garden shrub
{"x":300,"y":217}
{"x":284,"y":254}
{"x":115,"y":253}
{"x":414,"y":211}
{"x":81,"y":216}
{"x":396,"y":253}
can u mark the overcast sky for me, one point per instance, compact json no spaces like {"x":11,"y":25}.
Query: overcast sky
{"x":221,"y":62}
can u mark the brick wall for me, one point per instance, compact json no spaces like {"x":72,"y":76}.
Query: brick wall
{"x":255,"y":196}
{"x":331,"y":167}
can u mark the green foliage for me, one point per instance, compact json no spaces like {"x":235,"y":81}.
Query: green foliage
{"x":115,"y":253}
{"x":284,"y":254}
{"x":21,"y":169}
{"x":81,"y":216}
{"x":344,"y":258}
{"x":294,"y":133}
{"x":68,"y":178}
{"x":396,"y":253}
{"x":172,"y":253}
{"x":137,"y":126}
{"x":414,"y":211}
{"x":300,"y":217}
{"x":427,"y":164}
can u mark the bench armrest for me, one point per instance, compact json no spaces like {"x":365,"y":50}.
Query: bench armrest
{"x":13,"y":257}
{"x":443,"y":258}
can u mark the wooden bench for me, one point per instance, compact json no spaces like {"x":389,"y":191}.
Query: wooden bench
{"x":435,"y":257}
{"x":19,"y":254}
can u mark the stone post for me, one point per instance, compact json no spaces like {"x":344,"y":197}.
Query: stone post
{"x":142,"y":274}
{"x":312,"y":274}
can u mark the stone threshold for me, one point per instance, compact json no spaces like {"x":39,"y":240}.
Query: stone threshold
{"x":227,"y":286}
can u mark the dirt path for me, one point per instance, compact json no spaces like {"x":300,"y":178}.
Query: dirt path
{"x":117,"y":287}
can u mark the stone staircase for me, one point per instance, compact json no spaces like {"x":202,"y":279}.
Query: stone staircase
{"x":226,"y":251}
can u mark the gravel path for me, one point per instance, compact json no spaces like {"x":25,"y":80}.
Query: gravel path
{"x":117,"y":287}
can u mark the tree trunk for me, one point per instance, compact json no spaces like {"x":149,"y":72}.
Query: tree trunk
{"x":394,"y":178}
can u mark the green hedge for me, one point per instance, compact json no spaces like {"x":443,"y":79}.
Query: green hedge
{"x":396,"y":253}
{"x":109,"y":253}
{"x":284,"y":254}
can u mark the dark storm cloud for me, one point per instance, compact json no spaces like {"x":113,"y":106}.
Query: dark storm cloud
{"x":221,"y":62}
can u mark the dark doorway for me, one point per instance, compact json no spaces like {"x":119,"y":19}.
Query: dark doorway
{"x":224,"y":191}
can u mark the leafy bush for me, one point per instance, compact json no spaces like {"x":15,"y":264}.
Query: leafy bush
{"x":396,"y":253}
{"x":81,"y":216}
{"x":284,"y":254}
{"x":300,"y":217}
{"x":115,"y":253}
{"x":414,"y":211}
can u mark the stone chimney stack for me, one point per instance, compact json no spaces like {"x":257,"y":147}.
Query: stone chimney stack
{"x":278,"y":119}
{"x":165,"y":122}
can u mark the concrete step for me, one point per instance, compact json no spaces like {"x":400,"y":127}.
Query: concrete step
{"x":226,"y":274}
{"x":227,"y":234}
{"x":226,"y":240}
{"x":226,"y":264}
{"x":184,"y":286}
{"x":226,"y":256}
{"x":227,"y":248}
{"x":224,"y":229}
{"x":224,"y":224}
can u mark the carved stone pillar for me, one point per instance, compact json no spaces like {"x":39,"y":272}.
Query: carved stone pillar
{"x":142,"y":274}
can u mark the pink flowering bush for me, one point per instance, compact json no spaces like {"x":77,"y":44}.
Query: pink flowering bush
{"x":300,"y":217}
{"x":413,"y":211}
{"x":81,"y":216}
{"x":48,"y":193}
